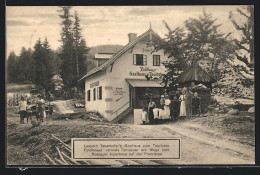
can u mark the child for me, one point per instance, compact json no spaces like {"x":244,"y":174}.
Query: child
{"x":144,"y":116}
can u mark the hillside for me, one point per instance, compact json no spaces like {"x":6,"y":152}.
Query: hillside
{"x":235,"y":84}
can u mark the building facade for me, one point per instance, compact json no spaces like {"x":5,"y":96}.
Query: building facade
{"x":118,"y":89}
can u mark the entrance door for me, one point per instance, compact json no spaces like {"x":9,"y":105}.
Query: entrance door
{"x":140,"y":97}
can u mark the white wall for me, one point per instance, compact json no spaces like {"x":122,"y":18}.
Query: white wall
{"x":124,"y":65}
{"x":97,"y":105}
{"x":114,"y":86}
{"x":118,"y":94}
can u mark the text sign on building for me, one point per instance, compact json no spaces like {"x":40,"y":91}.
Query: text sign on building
{"x":125,"y":148}
{"x":94,"y":84}
{"x":146,"y":71}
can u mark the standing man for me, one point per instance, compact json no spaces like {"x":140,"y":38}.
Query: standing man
{"x":188,"y":102}
{"x":196,"y":104}
{"x":176,"y":107}
{"x":40,"y":108}
{"x":22,"y":109}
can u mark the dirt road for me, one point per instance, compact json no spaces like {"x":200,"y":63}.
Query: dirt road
{"x":63,"y":107}
{"x":197,"y":145}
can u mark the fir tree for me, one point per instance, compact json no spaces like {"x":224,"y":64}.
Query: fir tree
{"x":11,"y":68}
{"x":68,"y":65}
{"x":80,"y":47}
{"x":25,"y":66}
{"x":43,"y":69}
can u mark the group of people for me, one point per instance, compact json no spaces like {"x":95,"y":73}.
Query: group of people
{"x":186,"y":105}
{"x":40,"y":109}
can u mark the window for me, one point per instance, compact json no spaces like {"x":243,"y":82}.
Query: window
{"x":99,"y":93}
{"x":94,"y":94}
{"x":156,"y":60}
{"x":140,"y":59}
{"x":88,"y":95}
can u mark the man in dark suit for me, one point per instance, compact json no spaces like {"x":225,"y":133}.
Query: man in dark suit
{"x":196,"y":104}
{"x":188,"y":102}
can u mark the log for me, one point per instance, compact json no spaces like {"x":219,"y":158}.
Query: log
{"x":69,"y":158}
{"x":66,"y":163}
{"x":49,"y":159}
{"x":61,"y":141}
{"x":60,"y":161}
{"x":67,"y":148}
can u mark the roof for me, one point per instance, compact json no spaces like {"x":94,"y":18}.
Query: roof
{"x":195,"y":73}
{"x":119,"y":53}
{"x":103,"y":55}
{"x":143,"y":83}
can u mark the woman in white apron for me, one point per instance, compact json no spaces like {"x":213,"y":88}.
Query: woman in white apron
{"x":167,"y":108}
{"x":156,"y":115}
{"x":182,"y":107}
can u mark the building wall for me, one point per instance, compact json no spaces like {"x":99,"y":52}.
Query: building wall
{"x":116,"y":95}
{"x":124,"y":67}
{"x":97,"y":105}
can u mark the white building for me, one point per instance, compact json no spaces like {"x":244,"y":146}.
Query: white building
{"x":118,"y":89}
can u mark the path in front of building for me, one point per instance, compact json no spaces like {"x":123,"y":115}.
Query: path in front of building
{"x":198,"y":146}
{"x":63,"y":107}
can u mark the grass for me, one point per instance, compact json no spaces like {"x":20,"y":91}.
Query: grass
{"x":26,"y":144}
{"x":242,"y":126}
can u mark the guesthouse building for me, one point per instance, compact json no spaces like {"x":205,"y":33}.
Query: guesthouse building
{"x":120,"y":87}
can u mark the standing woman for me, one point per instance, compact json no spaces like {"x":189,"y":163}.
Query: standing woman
{"x":183,"y":105}
{"x":167,"y":108}
{"x":151,"y":106}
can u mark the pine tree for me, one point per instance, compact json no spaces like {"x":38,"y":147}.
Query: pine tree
{"x":11,"y":68}
{"x":206,"y":42}
{"x":77,"y":37}
{"x":82,"y":52}
{"x":37,"y":56}
{"x":246,"y":43}
{"x":173,"y":45}
{"x":199,"y":40}
{"x":43,"y":68}
{"x":48,"y":72}
{"x":68,"y":66}
{"x":203,"y":36}
{"x":80,"y":47}
{"x":25,"y":66}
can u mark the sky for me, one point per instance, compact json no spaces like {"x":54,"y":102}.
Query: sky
{"x":103,"y":24}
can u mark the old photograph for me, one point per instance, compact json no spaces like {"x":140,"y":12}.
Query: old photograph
{"x":130,"y":85}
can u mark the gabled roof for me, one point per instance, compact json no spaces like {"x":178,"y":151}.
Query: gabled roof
{"x":195,"y":73}
{"x":119,"y":53}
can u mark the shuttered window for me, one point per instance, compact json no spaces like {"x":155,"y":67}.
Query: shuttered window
{"x":99,"y":93}
{"x":156,"y":60}
{"x":88,"y":95}
{"x":94,"y":94}
{"x":140,"y":59}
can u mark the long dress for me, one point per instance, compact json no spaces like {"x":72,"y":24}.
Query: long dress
{"x":156,"y":113}
{"x":167,"y":109}
{"x":183,"y":107}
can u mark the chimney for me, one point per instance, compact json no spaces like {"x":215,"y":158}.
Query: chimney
{"x":132,"y":36}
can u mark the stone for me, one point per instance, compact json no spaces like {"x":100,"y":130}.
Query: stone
{"x":252,"y":109}
{"x":233,"y":111}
